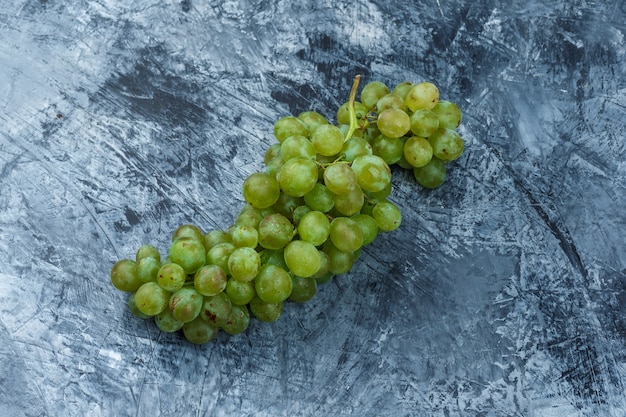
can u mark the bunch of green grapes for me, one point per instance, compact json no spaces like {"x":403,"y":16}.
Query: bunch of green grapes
{"x":323,"y":196}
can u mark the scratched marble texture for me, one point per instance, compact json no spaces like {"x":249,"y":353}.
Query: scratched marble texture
{"x":503,"y":293}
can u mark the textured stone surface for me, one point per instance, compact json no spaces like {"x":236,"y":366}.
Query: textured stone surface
{"x":503,"y":293}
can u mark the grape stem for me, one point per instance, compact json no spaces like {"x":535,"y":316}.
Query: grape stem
{"x":352,"y":112}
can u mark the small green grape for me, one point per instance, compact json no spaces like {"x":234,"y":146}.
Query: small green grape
{"x":124,"y":275}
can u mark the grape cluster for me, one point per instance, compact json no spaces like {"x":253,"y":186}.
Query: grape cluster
{"x":322,"y":197}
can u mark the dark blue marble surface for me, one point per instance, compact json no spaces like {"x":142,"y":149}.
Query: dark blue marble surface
{"x":502,"y":294}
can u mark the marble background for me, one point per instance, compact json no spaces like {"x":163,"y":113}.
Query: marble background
{"x":503,"y":293}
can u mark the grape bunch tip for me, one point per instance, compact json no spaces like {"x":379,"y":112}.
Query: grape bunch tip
{"x":323,"y":196}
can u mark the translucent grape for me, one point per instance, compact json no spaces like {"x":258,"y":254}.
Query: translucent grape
{"x":447,"y":144}
{"x":217,"y":309}
{"x":387,"y":215}
{"x":240,"y":292}
{"x":346,"y":234}
{"x":449,"y":114}
{"x":319,"y":198}
{"x":422,"y":96}
{"x":343,"y":114}
{"x":389,"y":149}
{"x":132,"y":306}
{"x":272,"y":152}
{"x":238,"y":321}
{"x":303,"y":289}
{"x":327,"y":140}
{"x":297,"y":146}
{"x":171,"y":276}
{"x":210,"y":280}
{"x":340,"y":262}
{"x":124,"y":275}
{"x":390,"y":101}
{"x":289,"y":126}
{"x":424,"y":123}
{"x":354,"y":147}
{"x":339,"y":178}
{"x":350,"y":203}
{"x":401,"y":90}
{"x":299,"y":213}
{"x":273,"y":284}
{"x":297,"y":176}
{"x":214,"y":237}
{"x":219,"y":254}
{"x":249,"y":217}
{"x":372,"y":92}
{"x":275,"y":231}
{"x":147,"y":251}
{"x":188,"y":231}
{"x":189,"y":253}
{"x":245,"y":236}
{"x":199,"y":331}
{"x":314,"y":227}
{"x":266,"y":312}
{"x":244,"y":263}
{"x":393,"y":123}
{"x":324,"y":267}
{"x":148,"y":269}
{"x":261,"y":190}
{"x":431,"y":175}
{"x":368,"y":226}
{"x":166,"y":322}
{"x":186,"y":304}
{"x":372,"y":172}
{"x":302,"y":258}
{"x":151,"y":299}
{"x":286,"y":204}
{"x":417,"y":151}
{"x":312,"y":120}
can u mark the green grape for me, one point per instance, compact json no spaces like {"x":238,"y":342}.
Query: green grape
{"x":166,"y":322}
{"x":274,"y":257}
{"x":389,"y":149}
{"x":343,"y":113}
{"x":240,"y":292}
{"x":219,"y":254}
{"x":319,"y":198}
{"x":417,"y":151}
{"x":147,"y":251}
{"x":380,"y":195}
{"x":186,"y":304}
{"x":249,"y":217}
{"x":356,"y":147}
{"x":368,"y":226}
{"x":372,"y":173}
{"x":132,"y":306}
{"x":303,"y":288}
{"x":171,"y":276}
{"x":340,"y":179}
{"x":372,"y":92}
{"x":289,"y":126}
{"x":327,"y":140}
{"x":390,"y":101}
{"x":273,"y":284}
{"x":124,"y":275}
{"x":148,"y":269}
{"x":393,"y":123}
{"x":273,"y":166}
{"x":340,"y":262}
{"x":346,"y":234}
{"x":151,"y":299}
{"x":275,"y":231}
{"x":447,"y":144}
{"x":199,"y":331}
{"x":422,"y":96}
{"x":350,"y":203}
{"x":431,"y":175}
{"x":387,"y":215}
{"x":297,"y":146}
{"x":449,"y":114}
{"x":297,"y":176}
{"x":245,"y":236}
{"x":424,"y":123}
{"x":244,"y":263}
{"x":299,"y":213}
{"x":189,"y":253}
{"x":272,"y":152}
{"x":216,"y":309}
{"x":238,"y":321}
{"x":267,"y":312}
{"x":286,"y":205}
{"x":210,"y":280}
{"x":188,"y":231}
{"x":214,"y":237}
{"x":314,"y":227}
{"x":312,"y":120}
{"x":401,"y":90}
{"x":324,"y":278}
{"x":261,"y":190}
{"x":302,"y":258}
{"x":324,"y":267}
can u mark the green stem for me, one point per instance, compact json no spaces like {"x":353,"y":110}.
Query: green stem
{"x":353,"y":122}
